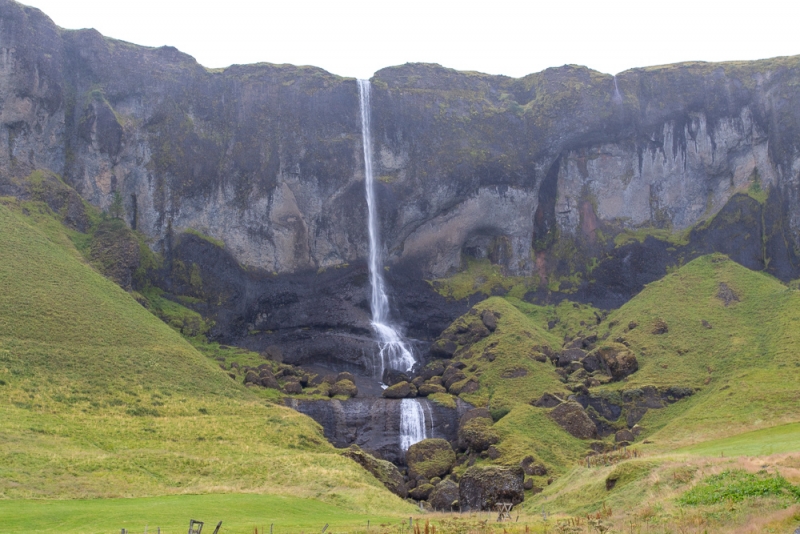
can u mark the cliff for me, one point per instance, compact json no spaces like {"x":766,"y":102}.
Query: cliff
{"x":544,"y":175}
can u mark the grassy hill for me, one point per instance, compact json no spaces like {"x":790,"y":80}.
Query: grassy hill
{"x":99,"y":398}
{"x":732,"y":335}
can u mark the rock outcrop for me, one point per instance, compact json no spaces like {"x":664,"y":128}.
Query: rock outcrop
{"x":480,"y":488}
{"x":374,"y":424}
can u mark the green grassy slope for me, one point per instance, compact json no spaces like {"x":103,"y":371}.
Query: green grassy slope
{"x":99,"y":398}
{"x":743,"y":360}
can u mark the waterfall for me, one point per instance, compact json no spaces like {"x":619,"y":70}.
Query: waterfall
{"x":412,"y":423}
{"x":393,"y":351}
{"x":617,"y":95}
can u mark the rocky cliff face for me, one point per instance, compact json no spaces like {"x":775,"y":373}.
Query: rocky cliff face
{"x":537,"y":174}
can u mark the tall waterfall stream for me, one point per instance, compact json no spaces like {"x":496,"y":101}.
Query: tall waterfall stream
{"x":393,"y":351}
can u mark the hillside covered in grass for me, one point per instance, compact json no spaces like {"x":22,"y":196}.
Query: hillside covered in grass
{"x":99,"y":398}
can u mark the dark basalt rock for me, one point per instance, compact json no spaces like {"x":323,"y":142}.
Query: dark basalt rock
{"x":480,"y":488}
{"x":444,"y":496}
{"x":573,"y":418}
{"x":374,"y":424}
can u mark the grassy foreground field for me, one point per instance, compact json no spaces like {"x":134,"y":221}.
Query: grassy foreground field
{"x":100,"y":399}
{"x":239,"y":513}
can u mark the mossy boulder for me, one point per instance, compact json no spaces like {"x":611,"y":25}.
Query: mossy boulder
{"x":619,"y":360}
{"x":480,"y":488}
{"x":573,"y":418}
{"x":344,"y":387}
{"x":401,"y":390}
{"x":477,"y":435}
{"x":384,"y":471}
{"x":421,"y":492}
{"x":430,"y":458}
{"x":444,"y":496}
{"x":429,"y":388}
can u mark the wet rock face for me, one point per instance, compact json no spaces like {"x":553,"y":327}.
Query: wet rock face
{"x":480,"y":488}
{"x":374,"y":424}
{"x":551,"y":153}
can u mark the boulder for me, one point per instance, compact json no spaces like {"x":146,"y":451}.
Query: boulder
{"x":393,"y":376}
{"x":619,"y":360}
{"x":624,"y":435}
{"x":570,"y":355}
{"x":493,"y":452}
{"x":384,"y":471}
{"x":398,"y":391}
{"x":659,"y":327}
{"x":573,"y":418}
{"x":292,"y":388}
{"x":430,"y":458}
{"x":531,"y":468}
{"x":270,"y":382}
{"x":417,"y":382}
{"x":528,"y":484}
{"x":435,"y":368}
{"x":252,"y":378}
{"x":421,"y":493}
{"x":470,"y":386}
{"x":451,"y":377}
{"x":480,"y":488}
{"x":489,"y":320}
{"x":345,"y":376}
{"x":444,"y":496}
{"x":443,"y":348}
{"x":344,"y":387}
{"x":429,"y":388}
{"x":475,"y":413}
{"x":548,"y":400}
{"x":477,"y":435}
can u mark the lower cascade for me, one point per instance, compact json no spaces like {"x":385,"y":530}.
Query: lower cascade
{"x":394,"y":352}
{"x":412,"y":423}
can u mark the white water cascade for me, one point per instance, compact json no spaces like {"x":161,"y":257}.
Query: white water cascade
{"x":617,"y":95}
{"x":393,"y":350}
{"x":412,"y":423}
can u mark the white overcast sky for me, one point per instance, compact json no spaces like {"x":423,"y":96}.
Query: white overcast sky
{"x":357,"y":37}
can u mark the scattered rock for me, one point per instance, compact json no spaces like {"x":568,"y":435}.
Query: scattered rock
{"x":443,"y":348}
{"x":451,"y":376}
{"x":269,"y":381}
{"x":480,"y":488}
{"x":475,"y":413}
{"x":528,"y":484}
{"x":632,"y":325}
{"x":393,"y":376}
{"x":514,"y":372}
{"x":619,"y":361}
{"x":573,"y":418}
{"x":636,"y":430}
{"x":345,"y":376}
{"x":384,"y":471}
{"x":706,"y":324}
{"x":433,"y":369}
{"x":477,"y":435}
{"x":444,"y":496}
{"x":659,"y":327}
{"x":429,"y":388}
{"x":548,"y":400}
{"x":570,"y":355}
{"x":493,"y":452}
{"x":344,"y":387}
{"x":398,"y":391}
{"x":489,"y":320}
{"x":726,"y":294}
{"x":421,"y":492}
{"x":624,"y":435}
{"x":471,"y":386}
{"x":430,"y":458}
{"x":252,"y":378}
{"x":292,"y":388}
